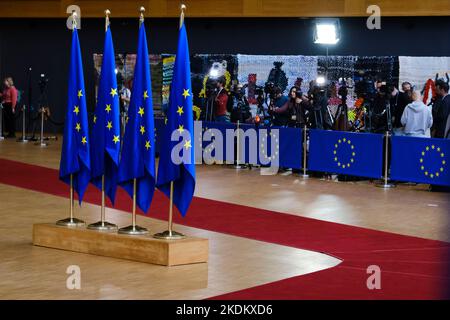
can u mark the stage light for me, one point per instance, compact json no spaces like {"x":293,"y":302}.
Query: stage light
{"x":327,"y":31}
{"x":320,"y":80}
{"x":116,"y":71}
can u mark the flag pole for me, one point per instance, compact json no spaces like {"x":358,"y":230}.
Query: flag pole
{"x":103,"y":225}
{"x":170,"y":234}
{"x":71,"y":221}
{"x":134,"y":229}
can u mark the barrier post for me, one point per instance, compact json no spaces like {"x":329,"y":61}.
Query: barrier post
{"x":41,"y":142}
{"x":386,"y":184}
{"x":238,"y":146}
{"x":24,"y":136}
{"x":1,"y":122}
{"x":305,"y":149}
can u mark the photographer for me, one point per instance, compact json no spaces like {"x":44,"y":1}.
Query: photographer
{"x":221,"y":102}
{"x":241,"y":108}
{"x":298,"y":108}
{"x":9,"y":101}
{"x":399,"y":100}
{"x":279,"y":108}
{"x":319,"y":109}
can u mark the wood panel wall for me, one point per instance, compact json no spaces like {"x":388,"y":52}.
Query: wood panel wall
{"x":224,"y":8}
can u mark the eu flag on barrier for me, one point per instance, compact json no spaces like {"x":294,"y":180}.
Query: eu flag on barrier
{"x":105,"y":135}
{"x":75,"y":159}
{"x":179,"y":118}
{"x":421,"y":160}
{"x":357,"y":154}
{"x":138,"y":154}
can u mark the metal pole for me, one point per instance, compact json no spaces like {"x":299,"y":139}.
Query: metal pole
{"x":238,"y":147}
{"x":386,"y":184}
{"x":170,"y":223}
{"x":1,"y":122}
{"x":42,"y":143}
{"x":133,"y":229}
{"x":103,"y":225}
{"x":71,"y":221}
{"x":24,"y":136}
{"x":305,"y":150}
{"x":71,"y":198}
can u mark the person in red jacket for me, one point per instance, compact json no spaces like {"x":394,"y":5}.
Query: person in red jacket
{"x":9,"y":101}
{"x":220,"y":102}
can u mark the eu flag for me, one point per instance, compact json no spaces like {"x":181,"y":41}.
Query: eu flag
{"x":75,"y":159}
{"x":421,"y":160}
{"x":357,"y":154}
{"x":138,"y":154}
{"x":179,"y":121}
{"x":105,"y":135}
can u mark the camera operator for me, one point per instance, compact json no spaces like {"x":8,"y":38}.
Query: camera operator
{"x":241,"y":107}
{"x":399,"y":100}
{"x":9,"y":101}
{"x":298,"y":108}
{"x":319,"y":108}
{"x":278,"y":108}
{"x":221,"y":102}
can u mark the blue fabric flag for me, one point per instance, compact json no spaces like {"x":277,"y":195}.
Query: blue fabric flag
{"x":138,"y":154}
{"x":105,"y":135}
{"x":75,"y":159}
{"x":179,"y":118}
{"x":421,"y":160}
{"x":357,"y":154}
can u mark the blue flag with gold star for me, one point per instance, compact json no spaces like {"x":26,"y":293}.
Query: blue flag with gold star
{"x":421,"y":160}
{"x":138,"y":150}
{"x":177,"y":161}
{"x":105,"y":134}
{"x":75,"y":159}
{"x":348,"y":153}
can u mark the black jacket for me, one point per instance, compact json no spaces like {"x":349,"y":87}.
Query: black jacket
{"x":441,"y":111}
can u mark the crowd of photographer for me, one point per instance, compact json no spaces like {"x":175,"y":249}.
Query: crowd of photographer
{"x":376,"y":106}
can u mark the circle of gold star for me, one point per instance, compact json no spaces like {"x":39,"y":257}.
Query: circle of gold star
{"x":340,"y":163}
{"x":442,"y":162}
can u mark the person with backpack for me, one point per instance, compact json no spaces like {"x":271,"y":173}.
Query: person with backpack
{"x":9,"y":100}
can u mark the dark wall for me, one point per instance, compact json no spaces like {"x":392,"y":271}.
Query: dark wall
{"x":44,"y":44}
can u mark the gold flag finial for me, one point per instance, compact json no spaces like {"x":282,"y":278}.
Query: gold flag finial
{"x":183,"y":7}
{"x":74,"y":20}
{"x":141,"y":10}
{"x":107,"y":13}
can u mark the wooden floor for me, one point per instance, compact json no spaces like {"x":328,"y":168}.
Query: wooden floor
{"x":39,"y":273}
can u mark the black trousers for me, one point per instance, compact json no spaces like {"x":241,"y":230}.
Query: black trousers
{"x":10,"y":119}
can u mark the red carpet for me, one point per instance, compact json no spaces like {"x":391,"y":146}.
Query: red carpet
{"x":411,"y":268}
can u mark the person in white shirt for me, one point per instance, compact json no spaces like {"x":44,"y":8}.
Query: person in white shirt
{"x":417,"y":118}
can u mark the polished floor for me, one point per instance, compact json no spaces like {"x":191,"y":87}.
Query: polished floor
{"x":32,"y":272}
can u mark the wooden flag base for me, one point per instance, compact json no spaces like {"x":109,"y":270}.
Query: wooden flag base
{"x":137,"y":248}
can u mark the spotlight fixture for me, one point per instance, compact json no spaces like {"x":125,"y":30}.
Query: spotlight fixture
{"x":214,"y":73}
{"x":320,"y":80}
{"x":327,"y":31}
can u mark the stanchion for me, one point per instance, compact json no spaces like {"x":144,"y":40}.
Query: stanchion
{"x":386,"y":184}
{"x":103,"y":225}
{"x":41,"y":142}
{"x":305,"y":150}
{"x":170,"y":234}
{"x":238,"y":147}
{"x":24,"y":135}
{"x":71,"y":221}
{"x":133,"y":229}
{"x":1,"y":123}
